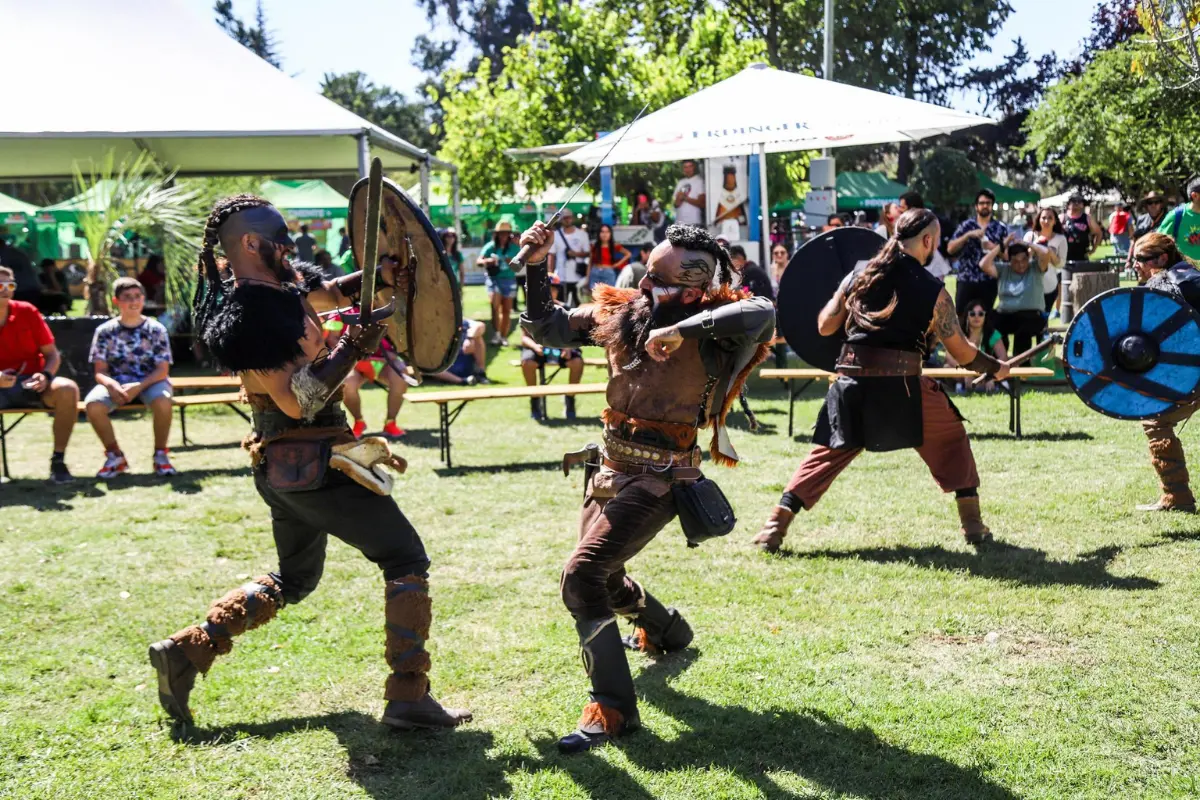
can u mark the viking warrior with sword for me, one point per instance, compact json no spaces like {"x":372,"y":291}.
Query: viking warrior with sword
{"x":256,"y":314}
{"x":679,"y":348}
{"x":891,"y":310}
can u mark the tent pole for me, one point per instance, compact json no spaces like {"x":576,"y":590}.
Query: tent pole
{"x":827,"y":66}
{"x":456,"y":200}
{"x":425,"y":187}
{"x":364,"y":154}
{"x":764,"y":229}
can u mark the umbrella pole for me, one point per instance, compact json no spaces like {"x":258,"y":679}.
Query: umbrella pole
{"x":764,"y":228}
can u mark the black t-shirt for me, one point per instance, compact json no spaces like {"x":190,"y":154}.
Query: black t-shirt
{"x":755,"y":279}
{"x":1079,"y":237}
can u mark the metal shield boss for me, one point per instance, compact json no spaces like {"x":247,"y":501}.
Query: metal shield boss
{"x":1134,"y":353}
{"x":811,"y":277}
{"x":426,"y":328}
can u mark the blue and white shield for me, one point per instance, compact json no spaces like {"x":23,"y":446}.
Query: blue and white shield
{"x":1134,"y":353}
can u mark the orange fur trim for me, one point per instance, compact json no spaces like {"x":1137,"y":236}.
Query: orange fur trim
{"x":642,"y":639}
{"x":597,"y":715}
{"x":735,"y":388}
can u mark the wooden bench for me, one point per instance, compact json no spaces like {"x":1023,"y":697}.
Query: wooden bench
{"x":543,"y":380}
{"x":446,"y":416}
{"x":182,"y":402}
{"x":1013,"y":390}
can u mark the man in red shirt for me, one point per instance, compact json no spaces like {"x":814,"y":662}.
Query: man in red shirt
{"x":28,"y":361}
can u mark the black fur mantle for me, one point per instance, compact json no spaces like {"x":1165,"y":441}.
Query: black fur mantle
{"x":257,"y":327}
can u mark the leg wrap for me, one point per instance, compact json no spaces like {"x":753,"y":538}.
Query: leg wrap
{"x":245,"y":608}
{"x":409,"y":613}
{"x":1166,"y":454}
{"x":659,"y":629}
{"x":604,"y":662}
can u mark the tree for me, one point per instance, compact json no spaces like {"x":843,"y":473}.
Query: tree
{"x":381,"y":105}
{"x":490,"y":26}
{"x":1175,"y":28}
{"x":1113,"y":127}
{"x":257,"y":38}
{"x":579,"y":74}
{"x":943,"y":176}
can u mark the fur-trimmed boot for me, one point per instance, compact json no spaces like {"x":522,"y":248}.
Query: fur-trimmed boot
{"x":1168,"y":460}
{"x":770,"y":536}
{"x":612,"y":709}
{"x":410,"y":705}
{"x":192,"y":650}
{"x":657,"y":629}
{"x":973,"y":529}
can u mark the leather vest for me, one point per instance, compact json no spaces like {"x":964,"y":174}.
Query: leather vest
{"x":916,"y":293}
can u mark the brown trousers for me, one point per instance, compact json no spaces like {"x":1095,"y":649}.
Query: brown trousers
{"x":621,"y":515}
{"x":946,"y":451}
{"x":1166,"y":453}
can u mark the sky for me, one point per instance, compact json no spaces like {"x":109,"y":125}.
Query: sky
{"x":376,"y":36}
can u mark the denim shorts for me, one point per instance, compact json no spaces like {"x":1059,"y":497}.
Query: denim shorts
{"x":603,"y":275}
{"x":507,"y":287}
{"x":99,"y":394}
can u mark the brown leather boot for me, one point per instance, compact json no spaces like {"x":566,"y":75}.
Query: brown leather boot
{"x":410,"y":705}
{"x":1168,"y":460}
{"x":974,"y":531}
{"x":770,"y":536}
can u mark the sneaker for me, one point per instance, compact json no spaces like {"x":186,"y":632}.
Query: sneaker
{"x":482,"y":379}
{"x":392,"y":431}
{"x":162,"y":464}
{"x":114,"y":465}
{"x":496,"y":340}
{"x":59,"y":474}
{"x":360,"y":427}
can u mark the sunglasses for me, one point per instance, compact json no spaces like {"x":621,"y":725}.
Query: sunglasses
{"x":1143,"y":258}
{"x":977,"y":313}
{"x":8,"y":286}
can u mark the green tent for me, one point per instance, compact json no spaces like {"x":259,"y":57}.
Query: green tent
{"x":94,"y":199}
{"x":10,"y":206}
{"x":306,"y":199}
{"x":856,"y":191}
{"x":15,"y":218}
{"x":1006,"y":194}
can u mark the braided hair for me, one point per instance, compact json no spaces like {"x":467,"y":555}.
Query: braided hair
{"x":693,"y":237}
{"x":209,"y":286}
{"x":910,"y":225}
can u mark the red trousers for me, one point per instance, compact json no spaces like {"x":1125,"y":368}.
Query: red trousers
{"x":946,"y":451}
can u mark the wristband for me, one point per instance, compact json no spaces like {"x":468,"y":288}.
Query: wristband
{"x":49,"y":377}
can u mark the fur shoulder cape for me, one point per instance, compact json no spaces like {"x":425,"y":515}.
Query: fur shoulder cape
{"x":610,"y":305}
{"x":257,"y":327}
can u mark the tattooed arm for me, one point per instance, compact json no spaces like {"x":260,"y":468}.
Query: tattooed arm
{"x":946,"y":328}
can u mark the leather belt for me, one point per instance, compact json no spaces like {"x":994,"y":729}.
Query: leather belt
{"x":864,"y":361}
{"x":670,"y":473}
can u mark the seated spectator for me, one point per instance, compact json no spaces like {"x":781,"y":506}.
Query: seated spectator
{"x":470,"y":366}
{"x":324,"y":263}
{"x":533,"y":356}
{"x":154,"y":280}
{"x":978,"y":329}
{"x":29,"y":286}
{"x":28,"y":361}
{"x":1020,"y":297}
{"x":608,"y":258}
{"x":633,"y":273}
{"x":132,"y":358}
{"x":753,"y":277}
{"x":384,"y":367}
{"x":54,"y":298}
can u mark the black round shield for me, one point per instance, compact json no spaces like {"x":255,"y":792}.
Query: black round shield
{"x":427,"y":326}
{"x":1134,"y":353}
{"x":810,"y":280}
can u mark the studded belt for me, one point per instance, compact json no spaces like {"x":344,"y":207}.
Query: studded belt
{"x":635,"y":453}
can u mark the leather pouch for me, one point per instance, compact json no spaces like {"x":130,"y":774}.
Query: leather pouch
{"x":704,"y":513}
{"x":297,"y":465}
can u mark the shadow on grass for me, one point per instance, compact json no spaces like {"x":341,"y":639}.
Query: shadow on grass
{"x":384,"y":762}
{"x":561,"y":422}
{"x":998,"y":561}
{"x":526,"y":466}
{"x":42,"y":495}
{"x":1040,"y":436}
{"x":841,"y":760}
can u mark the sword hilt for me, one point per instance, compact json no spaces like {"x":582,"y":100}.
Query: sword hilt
{"x":519,"y":260}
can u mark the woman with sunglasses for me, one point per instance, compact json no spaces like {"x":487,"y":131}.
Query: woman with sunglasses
{"x":779,"y":262}
{"x":1161,"y":266}
{"x":978,"y":329}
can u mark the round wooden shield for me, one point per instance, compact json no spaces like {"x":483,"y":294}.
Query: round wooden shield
{"x":427,"y":326}
{"x":810,"y":280}
{"x":1134,"y":353}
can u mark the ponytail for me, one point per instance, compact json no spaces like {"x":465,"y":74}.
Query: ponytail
{"x":912,"y":223}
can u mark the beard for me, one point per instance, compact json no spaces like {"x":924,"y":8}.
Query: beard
{"x":627,"y":331}
{"x":277,"y":265}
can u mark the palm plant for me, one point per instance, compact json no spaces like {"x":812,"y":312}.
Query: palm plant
{"x":136,"y":196}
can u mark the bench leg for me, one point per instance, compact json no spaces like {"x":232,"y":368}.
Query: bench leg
{"x":1016,"y":405}
{"x":444,"y":432}
{"x":4,"y":449}
{"x":183,"y":424}
{"x":791,"y":407}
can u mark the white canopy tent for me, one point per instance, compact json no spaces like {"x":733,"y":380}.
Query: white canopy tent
{"x":764,"y":110}
{"x":181,"y":89}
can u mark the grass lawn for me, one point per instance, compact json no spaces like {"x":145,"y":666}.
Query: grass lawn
{"x":879,"y":658}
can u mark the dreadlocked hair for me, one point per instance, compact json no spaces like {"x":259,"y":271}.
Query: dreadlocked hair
{"x":912,"y":223}
{"x":209,"y":287}
{"x":693,"y":237}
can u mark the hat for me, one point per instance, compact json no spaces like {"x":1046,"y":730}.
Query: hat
{"x":505,"y":224}
{"x":1153,"y":197}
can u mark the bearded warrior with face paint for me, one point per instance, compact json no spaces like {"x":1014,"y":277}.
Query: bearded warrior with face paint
{"x":679,"y":347}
